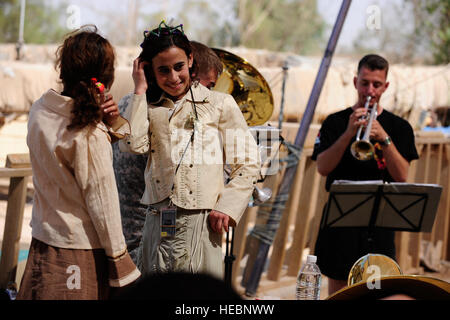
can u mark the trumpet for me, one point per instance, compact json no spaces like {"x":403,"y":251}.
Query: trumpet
{"x":362,"y":149}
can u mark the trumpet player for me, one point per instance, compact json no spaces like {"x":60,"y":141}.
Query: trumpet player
{"x":392,"y":139}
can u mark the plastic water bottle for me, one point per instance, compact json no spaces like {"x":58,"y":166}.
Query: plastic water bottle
{"x":308,"y":280}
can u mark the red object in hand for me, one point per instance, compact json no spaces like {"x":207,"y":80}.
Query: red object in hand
{"x":381,"y":162}
{"x":100,"y":86}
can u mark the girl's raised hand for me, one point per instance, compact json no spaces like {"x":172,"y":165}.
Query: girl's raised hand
{"x":140,"y":82}
{"x":110,"y":110}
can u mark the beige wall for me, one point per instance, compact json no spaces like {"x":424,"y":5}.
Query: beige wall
{"x":413,"y":89}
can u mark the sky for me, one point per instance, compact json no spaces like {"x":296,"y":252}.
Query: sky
{"x":358,"y":16}
{"x":356,"y":20}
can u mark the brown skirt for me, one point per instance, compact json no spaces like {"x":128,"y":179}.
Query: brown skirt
{"x":53,"y":273}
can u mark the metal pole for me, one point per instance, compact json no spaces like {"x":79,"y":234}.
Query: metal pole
{"x":263,"y":249}
{"x":21,"y":26}
{"x":283,"y":90}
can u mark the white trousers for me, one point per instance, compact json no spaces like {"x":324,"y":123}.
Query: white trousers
{"x":195,"y":248}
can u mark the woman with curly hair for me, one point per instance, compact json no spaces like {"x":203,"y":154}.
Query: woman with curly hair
{"x":78,"y":250}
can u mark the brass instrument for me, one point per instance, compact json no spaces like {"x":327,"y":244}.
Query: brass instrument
{"x":362,"y":149}
{"x":254,"y":97}
{"x":363,"y":268}
{"x":369,"y":269}
{"x":247,"y":86}
{"x":261,"y":195}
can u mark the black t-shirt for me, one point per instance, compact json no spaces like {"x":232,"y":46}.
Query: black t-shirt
{"x":349,"y":168}
{"x":338,"y":248}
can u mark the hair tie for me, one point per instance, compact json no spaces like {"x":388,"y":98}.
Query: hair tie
{"x":100,"y":86}
{"x":168,"y":30}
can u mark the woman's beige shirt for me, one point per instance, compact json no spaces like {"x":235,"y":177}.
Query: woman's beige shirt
{"x":221,"y":136}
{"x":76,"y":203}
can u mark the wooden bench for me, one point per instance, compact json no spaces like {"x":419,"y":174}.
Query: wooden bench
{"x":18,"y":169}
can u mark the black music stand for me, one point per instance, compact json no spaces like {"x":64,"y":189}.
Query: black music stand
{"x":374,"y":204}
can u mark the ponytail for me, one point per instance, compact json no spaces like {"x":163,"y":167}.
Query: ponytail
{"x":83,"y":55}
{"x":86,"y":105}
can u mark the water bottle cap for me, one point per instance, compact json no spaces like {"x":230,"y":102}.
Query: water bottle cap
{"x":311,"y":258}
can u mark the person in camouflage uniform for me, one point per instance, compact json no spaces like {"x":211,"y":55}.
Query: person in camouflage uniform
{"x":129,"y":168}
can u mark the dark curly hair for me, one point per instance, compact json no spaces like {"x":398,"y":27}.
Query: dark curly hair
{"x":84,"y":55}
{"x":156,"y":41}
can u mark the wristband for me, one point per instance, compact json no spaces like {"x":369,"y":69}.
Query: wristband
{"x":386,"y":141}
